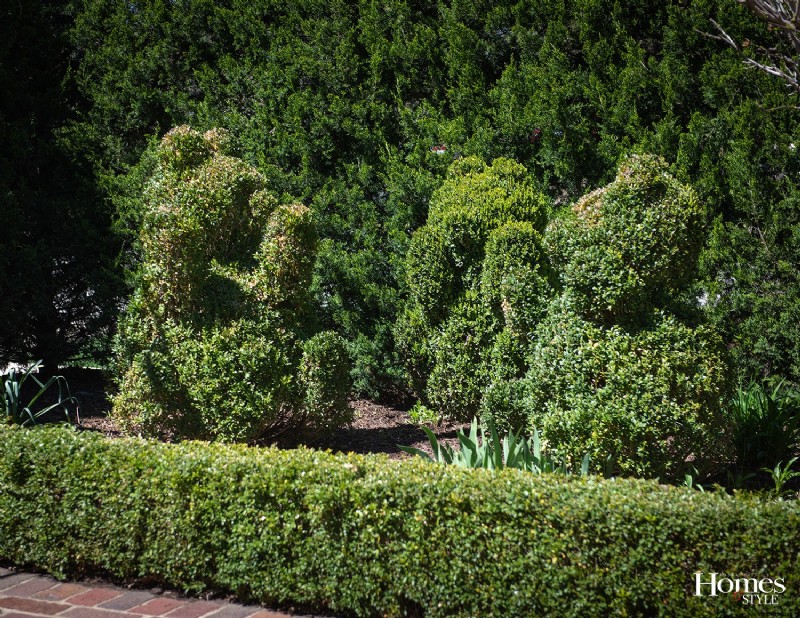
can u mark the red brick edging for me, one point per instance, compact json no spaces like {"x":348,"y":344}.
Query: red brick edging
{"x":25,"y":595}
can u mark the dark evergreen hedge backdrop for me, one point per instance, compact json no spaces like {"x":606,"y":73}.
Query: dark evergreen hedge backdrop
{"x":339,"y":103}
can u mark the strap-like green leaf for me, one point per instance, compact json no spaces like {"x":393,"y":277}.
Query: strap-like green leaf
{"x":585,"y":465}
{"x":497,"y":447}
{"x":415,"y":451}
{"x":434,"y":443}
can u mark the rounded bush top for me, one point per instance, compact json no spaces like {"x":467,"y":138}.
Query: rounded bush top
{"x":491,"y":194}
{"x":465,"y":166}
{"x":183,"y":148}
{"x":202,"y":200}
{"x":627,"y":247}
{"x":446,"y":255}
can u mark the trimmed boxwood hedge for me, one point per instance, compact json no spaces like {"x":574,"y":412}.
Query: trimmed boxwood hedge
{"x":364,"y":536}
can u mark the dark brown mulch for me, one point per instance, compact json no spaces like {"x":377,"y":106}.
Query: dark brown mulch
{"x":377,"y":428}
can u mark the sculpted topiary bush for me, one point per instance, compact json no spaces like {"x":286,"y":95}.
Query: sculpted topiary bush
{"x":475,"y":268}
{"x":627,"y":247}
{"x":516,"y":276}
{"x":651,"y":398}
{"x":577,"y":333}
{"x":212,"y":343}
{"x":325,"y":380}
{"x":460,"y":357}
{"x":609,"y":370}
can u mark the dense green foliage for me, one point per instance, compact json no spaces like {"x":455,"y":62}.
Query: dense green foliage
{"x":605,"y":367}
{"x":630,"y":246}
{"x":451,"y":239}
{"x":325,"y":379}
{"x":212,"y":344}
{"x":369,"y":537}
{"x":475,"y":268}
{"x":652,"y":399}
{"x":611,"y":370}
{"x":341,"y":104}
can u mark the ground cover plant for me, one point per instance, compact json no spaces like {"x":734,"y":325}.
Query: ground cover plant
{"x":766,"y":424}
{"x":218,"y":340}
{"x":20,"y":409}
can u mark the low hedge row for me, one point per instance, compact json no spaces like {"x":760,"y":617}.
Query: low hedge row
{"x":363,"y":536}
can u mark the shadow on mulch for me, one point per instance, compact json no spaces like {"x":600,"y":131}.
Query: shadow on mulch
{"x":377,"y":428}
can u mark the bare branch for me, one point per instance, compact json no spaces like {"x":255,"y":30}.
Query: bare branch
{"x":722,"y":36}
{"x":780,"y":15}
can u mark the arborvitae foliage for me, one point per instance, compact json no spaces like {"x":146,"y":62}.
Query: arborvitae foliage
{"x":344,"y":103}
{"x":215,"y":342}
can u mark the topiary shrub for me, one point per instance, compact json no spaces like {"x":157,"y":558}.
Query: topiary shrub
{"x":652,"y":398}
{"x":516,"y":276}
{"x":324,"y":373}
{"x":212,"y":342}
{"x":475,"y":266}
{"x":627,"y":247}
{"x":461,"y":351}
{"x":502,"y":401}
{"x":431,"y":273}
{"x":605,"y":367}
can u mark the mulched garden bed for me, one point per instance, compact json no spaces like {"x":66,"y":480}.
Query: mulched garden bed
{"x":377,"y":428}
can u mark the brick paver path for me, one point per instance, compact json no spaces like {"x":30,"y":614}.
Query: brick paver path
{"x":24,"y":595}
